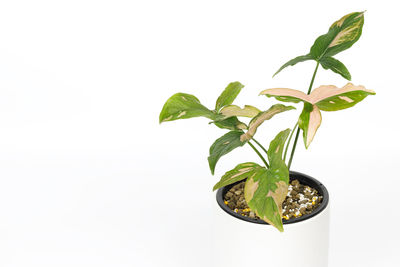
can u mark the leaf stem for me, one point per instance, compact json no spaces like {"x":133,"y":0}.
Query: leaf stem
{"x":290,"y":138}
{"x":263,"y":148}
{"x":258,"y":153}
{"x":298,"y":129}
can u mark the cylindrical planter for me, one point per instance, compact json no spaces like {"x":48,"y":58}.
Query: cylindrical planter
{"x":240,"y":241}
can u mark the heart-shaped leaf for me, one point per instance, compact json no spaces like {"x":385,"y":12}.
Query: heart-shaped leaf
{"x":240,"y":172}
{"x":184,"y":106}
{"x":261,"y":117}
{"x":228,"y":95}
{"x":223,"y":146}
{"x":266,"y":189}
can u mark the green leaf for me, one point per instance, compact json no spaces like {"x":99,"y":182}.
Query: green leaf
{"x":240,"y":172}
{"x":228,"y":95}
{"x":309,"y":121}
{"x":294,"y":61}
{"x":261,"y":117}
{"x":342,"y":98}
{"x":341,"y":36}
{"x":266,"y":189}
{"x":231,"y":123}
{"x":223,"y":146}
{"x":184,"y":106}
{"x":233,"y":110}
{"x":336,"y":66}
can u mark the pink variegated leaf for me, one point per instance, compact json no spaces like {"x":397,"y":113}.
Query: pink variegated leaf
{"x":332,"y":98}
{"x":309,"y":121}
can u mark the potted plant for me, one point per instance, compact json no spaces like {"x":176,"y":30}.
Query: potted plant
{"x":253,"y":196}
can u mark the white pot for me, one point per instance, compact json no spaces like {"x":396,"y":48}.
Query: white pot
{"x":242,"y":242}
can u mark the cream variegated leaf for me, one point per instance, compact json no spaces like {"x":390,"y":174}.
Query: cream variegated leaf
{"x":326,"y":98}
{"x":341,"y":36}
{"x":266,"y":189}
{"x":185,"y":106}
{"x":261,"y":117}
{"x":233,"y":110}
{"x":240,"y":172}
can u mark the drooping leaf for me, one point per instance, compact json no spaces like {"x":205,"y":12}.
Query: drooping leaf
{"x":336,"y":66}
{"x":341,"y":36}
{"x":233,"y":110}
{"x":184,"y":106}
{"x":261,"y":117}
{"x":240,"y":172}
{"x":326,"y":98}
{"x":223,"y":146}
{"x":228,"y":95}
{"x":294,"y":61}
{"x":309,"y":121}
{"x":266,"y":189}
{"x":231,"y":123}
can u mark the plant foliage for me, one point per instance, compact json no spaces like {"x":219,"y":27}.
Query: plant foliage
{"x":267,"y":185}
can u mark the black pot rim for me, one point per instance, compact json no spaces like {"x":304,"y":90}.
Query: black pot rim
{"x":303,"y":178}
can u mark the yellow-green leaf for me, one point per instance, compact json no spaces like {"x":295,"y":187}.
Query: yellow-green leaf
{"x":233,"y":110}
{"x":184,"y":106}
{"x":228,"y":95}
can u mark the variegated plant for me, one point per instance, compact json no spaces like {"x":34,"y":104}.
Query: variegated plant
{"x":266,"y":186}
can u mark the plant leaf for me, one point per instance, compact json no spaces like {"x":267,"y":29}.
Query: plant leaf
{"x":285,"y":94}
{"x":309,"y":121}
{"x":326,"y":97}
{"x":240,"y":172}
{"x":184,"y":106}
{"x":228,"y":95}
{"x":261,"y":117}
{"x":233,"y":110}
{"x":231,"y":123}
{"x":336,"y":66}
{"x":332,"y":98}
{"x":341,"y":36}
{"x":266,"y":189}
{"x":293,"y":62}
{"x":223,"y":146}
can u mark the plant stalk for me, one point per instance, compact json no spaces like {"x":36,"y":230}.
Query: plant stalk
{"x":263,"y":148}
{"x":290,"y":138}
{"x":258,"y":153}
{"x":298,"y":129}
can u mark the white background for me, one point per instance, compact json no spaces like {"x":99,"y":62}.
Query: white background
{"x":89,"y":178}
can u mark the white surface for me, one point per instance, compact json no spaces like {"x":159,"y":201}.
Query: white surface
{"x":89,"y":178}
{"x":304,"y":244}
